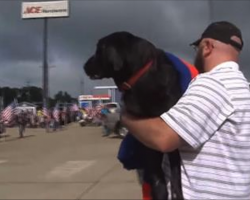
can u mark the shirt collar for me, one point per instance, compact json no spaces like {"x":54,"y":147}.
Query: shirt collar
{"x":229,"y":64}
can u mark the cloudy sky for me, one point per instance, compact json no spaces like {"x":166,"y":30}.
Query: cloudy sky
{"x":170,"y":25}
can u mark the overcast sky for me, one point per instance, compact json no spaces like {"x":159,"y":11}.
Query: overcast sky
{"x":170,"y":25}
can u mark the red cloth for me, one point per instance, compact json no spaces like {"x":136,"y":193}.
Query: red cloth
{"x":146,"y":191}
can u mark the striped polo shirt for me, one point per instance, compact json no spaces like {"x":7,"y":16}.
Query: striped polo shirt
{"x":213,"y":118}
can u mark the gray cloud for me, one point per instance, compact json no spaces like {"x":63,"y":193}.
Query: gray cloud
{"x":170,"y":25}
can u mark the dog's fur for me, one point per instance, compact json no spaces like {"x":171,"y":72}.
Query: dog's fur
{"x":119,"y":56}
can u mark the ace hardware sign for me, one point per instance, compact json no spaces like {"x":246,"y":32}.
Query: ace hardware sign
{"x":45,"y":9}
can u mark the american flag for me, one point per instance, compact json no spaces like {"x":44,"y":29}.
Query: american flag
{"x":99,"y":107}
{"x":8,"y":113}
{"x":74,"y":107}
{"x":65,"y":109}
{"x":94,"y":112}
{"x":98,"y":110}
{"x":45,"y":111}
{"x":56,"y":112}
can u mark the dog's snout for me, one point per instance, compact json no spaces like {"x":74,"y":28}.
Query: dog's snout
{"x":89,"y":66}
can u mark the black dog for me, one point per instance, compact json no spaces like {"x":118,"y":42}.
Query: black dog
{"x":150,"y":86}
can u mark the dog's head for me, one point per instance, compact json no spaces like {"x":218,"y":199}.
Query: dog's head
{"x":123,"y":57}
{"x":114,"y":53}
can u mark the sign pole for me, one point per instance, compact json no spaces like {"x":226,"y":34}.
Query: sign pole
{"x":45,"y":64}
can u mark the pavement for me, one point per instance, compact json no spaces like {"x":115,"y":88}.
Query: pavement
{"x":73,"y":163}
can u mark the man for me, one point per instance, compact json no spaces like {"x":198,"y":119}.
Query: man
{"x":104,"y":112}
{"x":210,"y":124}
{"x":47,"y":120}
{"x":110,"y":117}
{"x":22,"y":120}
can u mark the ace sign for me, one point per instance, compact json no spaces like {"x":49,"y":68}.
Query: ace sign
{"x":45,"y":9}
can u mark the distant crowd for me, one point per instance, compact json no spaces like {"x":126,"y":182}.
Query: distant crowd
{"x":50,"y":119}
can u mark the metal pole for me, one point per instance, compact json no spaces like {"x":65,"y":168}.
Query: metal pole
{"x":45,"y":65}
{"x":210,"y":7}
{"x":82,"y":86}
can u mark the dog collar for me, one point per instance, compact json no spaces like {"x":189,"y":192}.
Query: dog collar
{"x":186,"y":71}
{"x":127,"y":85}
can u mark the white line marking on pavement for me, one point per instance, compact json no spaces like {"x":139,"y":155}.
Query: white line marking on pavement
{"x":70,"y":168}
{"x":3,"y":161}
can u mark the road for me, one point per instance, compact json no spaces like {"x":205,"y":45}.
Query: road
{"x":74,"y":163}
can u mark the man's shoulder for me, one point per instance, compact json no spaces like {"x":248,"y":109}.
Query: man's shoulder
{"x":207,"y":79}
{"x":208,"y":86}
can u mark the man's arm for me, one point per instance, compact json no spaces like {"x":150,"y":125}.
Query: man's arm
{"x":153,"y":132}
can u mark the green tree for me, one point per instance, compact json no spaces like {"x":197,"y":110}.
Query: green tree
{"x":33,"y":94}
{"x":64,"y":97}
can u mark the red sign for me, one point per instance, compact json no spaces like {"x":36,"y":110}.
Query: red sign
{"x":101,"y":96}
{"x":33,"y":9}
{"x":95,"y":97}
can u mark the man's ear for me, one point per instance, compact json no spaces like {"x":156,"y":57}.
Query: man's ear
{"x":207,"y":48}
{"x":114,"y":58}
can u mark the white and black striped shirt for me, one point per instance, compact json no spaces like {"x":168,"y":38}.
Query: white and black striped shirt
{"x":213,"y":117}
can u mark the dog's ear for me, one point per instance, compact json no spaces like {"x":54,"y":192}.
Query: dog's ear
{"x":114,"y":58}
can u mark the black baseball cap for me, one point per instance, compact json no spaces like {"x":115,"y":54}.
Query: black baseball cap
{"x":222,"y":31}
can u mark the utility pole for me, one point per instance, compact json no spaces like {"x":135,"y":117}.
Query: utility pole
{"x":82,"y":86}
{"x":28,"y":88}
{"x":1,"y":103}
{"x":28,"y":83}
{"x":210,"y":10}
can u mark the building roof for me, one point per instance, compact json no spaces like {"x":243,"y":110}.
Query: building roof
{"x":26,"y":104}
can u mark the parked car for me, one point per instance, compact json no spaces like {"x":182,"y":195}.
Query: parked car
{"x":112,"y":119}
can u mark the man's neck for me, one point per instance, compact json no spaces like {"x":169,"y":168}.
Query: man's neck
{"x":217,"y":62}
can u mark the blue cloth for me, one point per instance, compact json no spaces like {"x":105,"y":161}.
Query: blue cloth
{"x":104,"y":111}
{"x":184,"y":72}
{"x":128,"y":153}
